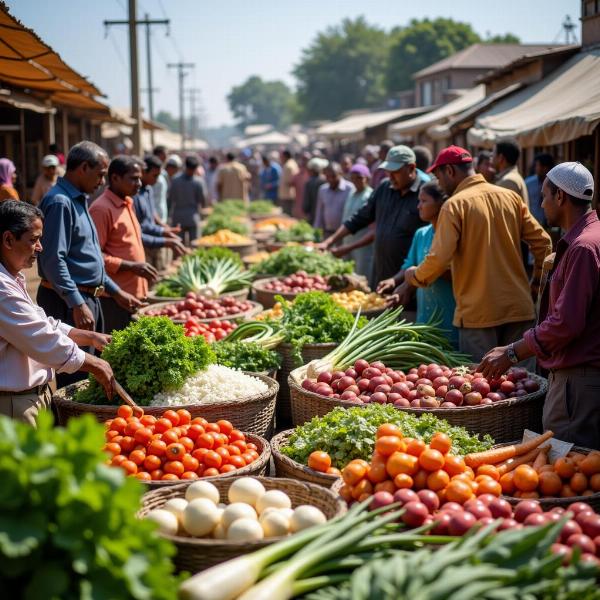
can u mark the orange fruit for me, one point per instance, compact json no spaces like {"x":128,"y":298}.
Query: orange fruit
{"x":319,"y":461}
{"x":488,"y":486}
{"x":567,"y":492}
{"x":377,"y":472}
{"x":174,"y":467}
{"x":420,"y":479}
{"x":438,"y":480}
{"x":157,"y":474}
{"x":550,"y":484}
{"x":458,"y":491}
{"x":565,"y":467}
{"x":346,"y":492}
{"x":441,"y":442}
{"x":590,"y":465}
{"x":353,"y":472}
{"x":388,"y":444}
{"x":170,"y":477}
{"x":415,"y":447}
{"x":388,"y":429}
{"x":595,"y":482}
{"x":526,"y":478}
{"x":333,"y":471}
{"x":470,"y":472}
{"x":385,"y":486}
{"x":113,"y":448}
{"x":125,"y":411}
{"x":402,"y":480}
{"x":129,"y":467}
{"x":189,"y":462}
{"x":453,"y":465}
{"x":138,"y":457}
{"x":431,"y":460}
{"x":489,"y":470}
{"x":143,"y":476}
{"x":151,"y":463}
{"x":364,"y":486}
{"x":529,"y":495}
{"x":190,"y":475}
{"x":400,"y":462}
{"x":578,"y":483}
{"x":507,"y":483}
{"x":117,"y":459}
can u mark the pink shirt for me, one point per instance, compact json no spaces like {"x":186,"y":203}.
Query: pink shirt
{"x":32,"y":344}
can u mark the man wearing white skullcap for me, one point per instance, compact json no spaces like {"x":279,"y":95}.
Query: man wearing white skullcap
{"x":566,"y":340}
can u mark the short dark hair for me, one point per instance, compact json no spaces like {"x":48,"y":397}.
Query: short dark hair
{"x":151,"y":163}
{"x":510,"y":150}
{"x":334,"y":167}
{"x":85,"y":152}
{"x":580,"y":202}
{"x":484,"y":155}
{"x":213,"y":160}
{"x":230,"y":156}
{"x":191,"y":162}
{"x":287,"y":153}
{"x":545,"y":159}
{"x":122,"y":164}
{"x":432,"y":187}
{"x":160,"y":149}
{"x":423,"y":156}
{"x":17,"y":216}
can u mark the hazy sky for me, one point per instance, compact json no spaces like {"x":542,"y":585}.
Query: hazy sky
{"x":233,"y":39}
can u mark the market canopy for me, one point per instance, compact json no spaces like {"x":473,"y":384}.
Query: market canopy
{"x":28,"y":63}
{"x":273,"y":138}
{"x":456,"y":106}
{"x":561,"y":107}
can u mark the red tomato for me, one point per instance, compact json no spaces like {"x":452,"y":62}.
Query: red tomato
{"x":133,"y":426}
{"x":189,"y":475}
{"x":200,"y":421}
{"x":225,"y":426}
{"x":157,"y":474}
{"x":212,"y":472}
{"x":148,"y":420}
{"x":195,"y":431}
{"x":223,"y":453}
{"x":174,"y":467}
{"x":175,"y":452}
{"x":170,"y":437}
{"x":237,"y":461}
{"x":143,"y":435}
{"x":137,"y":457}
{"x":124,"y":411}
{"x":172,"y":416}
{"x":119,"y":424}
{"x":199,"y":454}
{"x":127,"y":444}
{"x":213,"y":427}
{"x":187,"y":443}
{"x":226,"y":468}
{"x":190,"y":463}
{"x":157,"y":448}
{"x":236,"y":435}
{"x":162,"y":425}
{"x":233,"y":450}
{"x":184,"y":416}
{"x":205,"y":441}
{"x":212,"y":459}
{"x":248,"y":458}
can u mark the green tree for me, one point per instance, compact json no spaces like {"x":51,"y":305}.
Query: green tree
{"x":170,"y":121}
{"x":506,"y":38}
{"x":343,"y":68}
{"x":258,"y":101}
{"x":421,"y":44}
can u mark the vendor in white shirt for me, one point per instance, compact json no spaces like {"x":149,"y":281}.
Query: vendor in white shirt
{"x":33,"y":345}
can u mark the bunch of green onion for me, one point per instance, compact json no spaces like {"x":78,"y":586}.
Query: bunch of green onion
{"x":256,"y":331}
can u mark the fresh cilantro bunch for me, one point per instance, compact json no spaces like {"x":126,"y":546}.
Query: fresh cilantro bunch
{"x":299,"y":232}
{"x":149,"y":356}
{"x":314,"y":318}
{"x":290,"y":259}
{"x":247,"y":356}
{"x":68,"y":528}
{"x":346,"y":434}
{"x":261,"y":207}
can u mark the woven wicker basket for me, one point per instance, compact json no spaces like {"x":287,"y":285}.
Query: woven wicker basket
{"x":256,"y":308}
{"x":241,"y":249}
{"x":267,"y":297}
{"x":257,"y":468}
{"x":286,"y":467}
{"x":196,"y":554}
{"x":309,"y":352}
{"x":237,"y":294}
{"x":500,"y":419}
{"x":253,"y":414}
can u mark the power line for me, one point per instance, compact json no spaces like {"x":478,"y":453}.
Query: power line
{"x":181,"y":74}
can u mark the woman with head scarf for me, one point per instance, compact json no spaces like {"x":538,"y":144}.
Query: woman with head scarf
{"x":7,"y":179}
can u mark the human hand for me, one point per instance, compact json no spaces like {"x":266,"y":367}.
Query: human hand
{"x":495,"y":363}
{"x":100,"y":340}
{"x":175,"y":244}
{"x":102,"y":371}
{"x":403,"y":294}
{"x":409,"y":276}
{"x":339,"y":251}
{"x":386,"y":286}
{"x":128,"y":302}
{"x":83,"y":317}
{"x":173,"y":230}
{"x":145,"y":270}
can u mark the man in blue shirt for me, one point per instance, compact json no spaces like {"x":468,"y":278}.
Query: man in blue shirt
{"x":154,"y":235}
{"x":269,"y":178}
{"x":71,"y":265}
{"x":542,"y":163}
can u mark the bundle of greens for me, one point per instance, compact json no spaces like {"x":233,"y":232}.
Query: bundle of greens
{"x":68,"y":527}
{"x":257,"y":332}
{"x":291,"y":259}
{"x":346,"y":434}
{"x":247,"y":356}
{"x":261,"y":207}
{"x":217,"y":222}
{"x":149,"y":356}
{"x":230,"y":208}
{"x":313,"y":318}
{"x":215,"y":253}
{"x":299,"y":232}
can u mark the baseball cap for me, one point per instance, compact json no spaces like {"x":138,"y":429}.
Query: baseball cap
{"x":173,"y":161}
{"x":452,"y":155}
{"x":50,"y":161}
{"x":361,"y":170}
{"x":574,"y":179}
{"x":397,"y":157}
{"x":317,"y":163}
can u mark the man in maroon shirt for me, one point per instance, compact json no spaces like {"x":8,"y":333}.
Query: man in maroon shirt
{"x":566,"y":340}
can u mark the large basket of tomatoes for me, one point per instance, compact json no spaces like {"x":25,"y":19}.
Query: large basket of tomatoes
{"x":153,"y":298}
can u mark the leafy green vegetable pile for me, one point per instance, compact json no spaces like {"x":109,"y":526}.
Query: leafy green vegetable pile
{"x":261,"y":207}
{"x":230,"y":208}
{"x":149,"y":356}
{"x":217,"y":222}
{"x":67,"y":521}
{"x":299,"y":232}
{"x":313,"y":318}
{"x":247,"y":356}
{"x":298,"y":258}
{"x":346,"y":434}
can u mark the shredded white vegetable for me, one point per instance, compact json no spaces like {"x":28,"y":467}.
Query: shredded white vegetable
{"x":215,"y":384}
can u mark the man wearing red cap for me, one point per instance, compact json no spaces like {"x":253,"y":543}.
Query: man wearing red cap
{"x":478,"y":235}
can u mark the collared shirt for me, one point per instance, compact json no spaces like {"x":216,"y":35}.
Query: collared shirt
{"x":269,"y":181}
{"x":330,"y":205}
{"x":160,"y":189}
{"x":286,"y":181}
{"x":31,"y":343}
{"x":234,"y":179}
{"x":534,"y":191}
{"x":120,"y":238}
{"x":186,"y":196}
{"x":152,"y":234}
{"x":478,"y":234}
{"x":362,"y":257}
{"x":71,"y":254}
{"x":396,"y":219}
{"x":311,"y":194}
{"x":568,"y":333}
{"x":511,"y":179}
{"x":41,"y":188}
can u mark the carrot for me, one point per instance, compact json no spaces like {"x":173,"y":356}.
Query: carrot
{"x":513,"y":463}
{"x":496,"y":455}
{"x":542,"y":458}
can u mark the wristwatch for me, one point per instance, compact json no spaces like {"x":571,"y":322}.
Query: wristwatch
{"x":512,"y":355}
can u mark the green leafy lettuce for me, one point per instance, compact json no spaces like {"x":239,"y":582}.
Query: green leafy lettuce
{"x":215,"y":223}
{"x":68,"y":528}
{"x":261,"y":207}
{"x":346,"y":434}
{"x":299,"y":232}
{"x":247,"y":356}
{"x":290,"y":259}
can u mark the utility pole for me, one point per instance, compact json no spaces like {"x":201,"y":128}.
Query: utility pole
{"x":132,"y":22}
{"x":181,"y":73}
{"x":569,"y":29}
{"x":193,"y":92}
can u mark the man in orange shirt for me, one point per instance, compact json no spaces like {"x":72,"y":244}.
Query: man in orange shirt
{"x":120,"y":238}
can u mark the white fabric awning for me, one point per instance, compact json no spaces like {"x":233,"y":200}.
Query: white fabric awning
{"x":563,"y":106}
{"x":441,"y":114}
{"x":273,"y":138}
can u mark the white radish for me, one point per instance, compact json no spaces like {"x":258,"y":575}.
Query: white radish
{"x":246,"y":489}
{"x":200,"y":517}
{"x":245,"y":530}
{"x":275,"y":524}
{"x":306,"y":516}
{"x":166,"y":521}
{"x":176,"y":506}
{"x":274,"y":498}
{"x":235,"y":511}
{"x":202,"y":489}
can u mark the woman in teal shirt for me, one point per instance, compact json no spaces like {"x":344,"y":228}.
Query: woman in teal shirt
{"x":437,"y":298}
